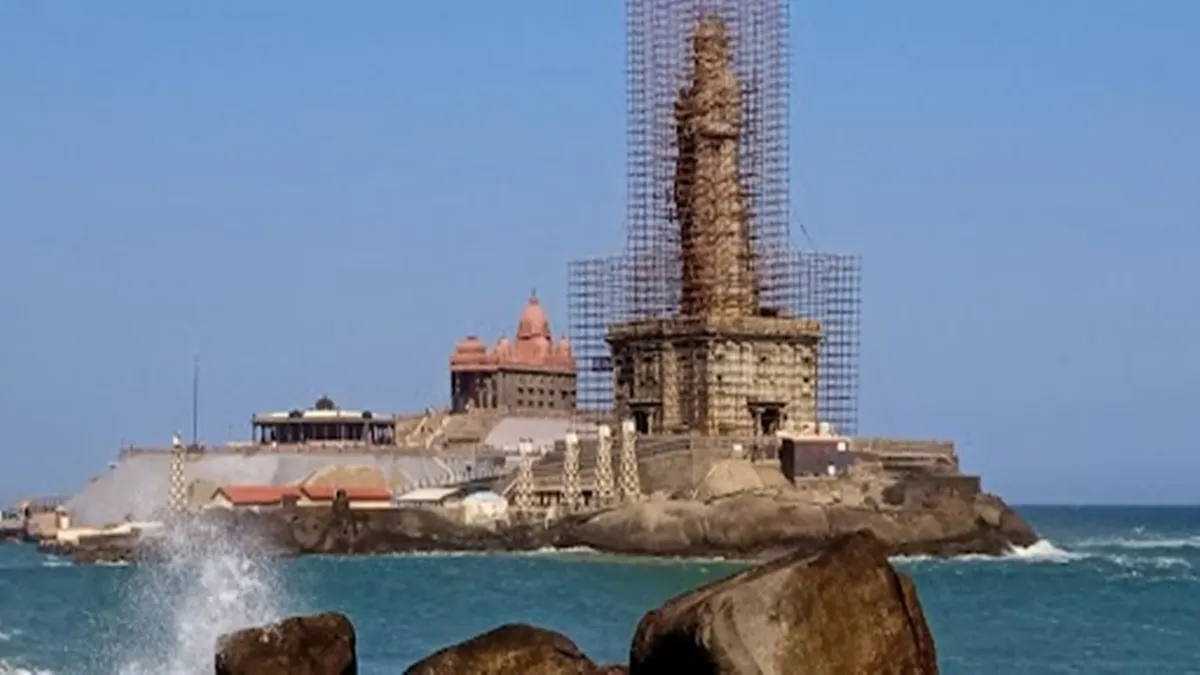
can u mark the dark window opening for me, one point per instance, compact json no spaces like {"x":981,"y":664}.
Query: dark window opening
{"x":641,"y":421}
{"x":768,"y":421}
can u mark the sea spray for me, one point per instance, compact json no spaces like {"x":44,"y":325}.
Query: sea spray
{"x":211,"y":582}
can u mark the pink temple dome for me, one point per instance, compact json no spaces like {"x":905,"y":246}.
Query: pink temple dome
{"x":533,"y":322}
{"x":469,"y":351}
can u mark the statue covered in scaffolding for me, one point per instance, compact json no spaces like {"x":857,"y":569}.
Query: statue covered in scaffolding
{"x":721,"y":363}
{"x":718,"y":261}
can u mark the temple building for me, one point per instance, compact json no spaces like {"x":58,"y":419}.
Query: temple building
{"x":324,"y":423}
{"x":724,"y":365}
{"x":530,"y":373}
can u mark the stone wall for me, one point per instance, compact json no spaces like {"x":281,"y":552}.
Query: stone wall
{"x":715,"y":376}
{"x":906,"y":455}
{"x":921,"y":490}
{"x":900,"y":446}
{"x":536,"y":391}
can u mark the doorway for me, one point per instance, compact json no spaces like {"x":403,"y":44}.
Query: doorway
{"x":641,"y":421}
{"x":769,"y":420}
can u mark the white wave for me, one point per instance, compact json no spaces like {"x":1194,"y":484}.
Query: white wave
{"x":1140,"y":542}
{"x":211,"y":584}
{"x":1162,"y":562}
{"x":553,"y":550}
{"x":1045,"y":551}
{"x":573,"y":553}
{"x":1041,"y":551}
{"x":9,"y":668}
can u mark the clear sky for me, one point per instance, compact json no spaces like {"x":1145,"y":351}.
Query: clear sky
{"x":319,"y":198}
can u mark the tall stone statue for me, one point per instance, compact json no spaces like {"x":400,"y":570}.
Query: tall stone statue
{"x":572,"y":494}
{"x":630,"y":482}
{"x":604,"y":466}
{"x":718,"y":258}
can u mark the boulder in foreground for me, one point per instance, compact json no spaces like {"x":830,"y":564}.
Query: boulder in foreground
{"x":511,"y":649}
{"x":321,"y":644}
{"x":844,"y":611}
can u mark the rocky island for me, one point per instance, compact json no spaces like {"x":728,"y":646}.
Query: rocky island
{"x":748,"y":525}
{"x":712,"y":410}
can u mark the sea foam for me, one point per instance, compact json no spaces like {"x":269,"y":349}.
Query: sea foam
{"x":212,"y":583}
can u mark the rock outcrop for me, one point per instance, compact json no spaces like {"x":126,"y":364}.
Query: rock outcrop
{"x":845,"y":610}
{"x":759,"y":524}
{"x":767,"y":523}
{"x":322,"y":644}
{"x":511,"y":649}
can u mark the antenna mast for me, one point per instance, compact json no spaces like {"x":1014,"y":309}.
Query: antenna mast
{"x":195,"y":400}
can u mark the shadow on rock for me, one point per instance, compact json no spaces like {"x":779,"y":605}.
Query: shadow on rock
{"x":512,"y":649}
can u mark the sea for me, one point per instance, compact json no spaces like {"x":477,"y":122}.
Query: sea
{"x":1108,"y":590}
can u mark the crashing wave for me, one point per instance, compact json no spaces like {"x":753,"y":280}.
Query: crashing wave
{"x":212,"y":583}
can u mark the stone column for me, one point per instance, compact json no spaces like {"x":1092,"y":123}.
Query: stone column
{"x":523,"y":489}
{"x":571,"y":489}
{"x":604,"y":466}
{"x":630,"y":482}
{"x":178,"y":494}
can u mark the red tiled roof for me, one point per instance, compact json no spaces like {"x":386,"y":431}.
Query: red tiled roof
{"x":362,"y":493}
{"x":257,"y":495}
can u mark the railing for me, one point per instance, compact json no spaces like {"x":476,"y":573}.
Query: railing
{"x":902,"y":446}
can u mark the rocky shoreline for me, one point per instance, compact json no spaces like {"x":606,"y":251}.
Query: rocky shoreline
{"x":746,"y":526}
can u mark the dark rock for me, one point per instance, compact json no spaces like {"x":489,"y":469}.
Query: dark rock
{"x":748,"y":525}
{"x":843,"y":611}
{"x":511,"y":649}
{"x":322,"y":644}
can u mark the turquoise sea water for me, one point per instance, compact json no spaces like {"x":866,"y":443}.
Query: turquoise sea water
{"x":1112,"y":590}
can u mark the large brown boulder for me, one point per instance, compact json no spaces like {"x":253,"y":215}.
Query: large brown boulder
{"x":322,"y":644}
{"x":767,"y":523}
{"x":844,"y":611}
{"x":511,"y":649}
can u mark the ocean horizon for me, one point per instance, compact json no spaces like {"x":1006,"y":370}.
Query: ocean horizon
{"x":1104,"y":591}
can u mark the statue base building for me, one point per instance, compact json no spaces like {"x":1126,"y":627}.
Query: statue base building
{"x":715,"y":376}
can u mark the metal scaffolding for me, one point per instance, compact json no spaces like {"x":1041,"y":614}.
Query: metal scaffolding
{"x":594,"y":291}
{"x":660,"y":64}
{"x":707,"y":222}
{"x":827,"y":287}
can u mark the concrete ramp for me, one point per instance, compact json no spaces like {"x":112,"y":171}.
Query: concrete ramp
{"x":138,"y":487}
{"x":542,"y":431}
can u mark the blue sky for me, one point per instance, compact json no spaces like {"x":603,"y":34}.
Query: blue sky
{"x":322,"y":200}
